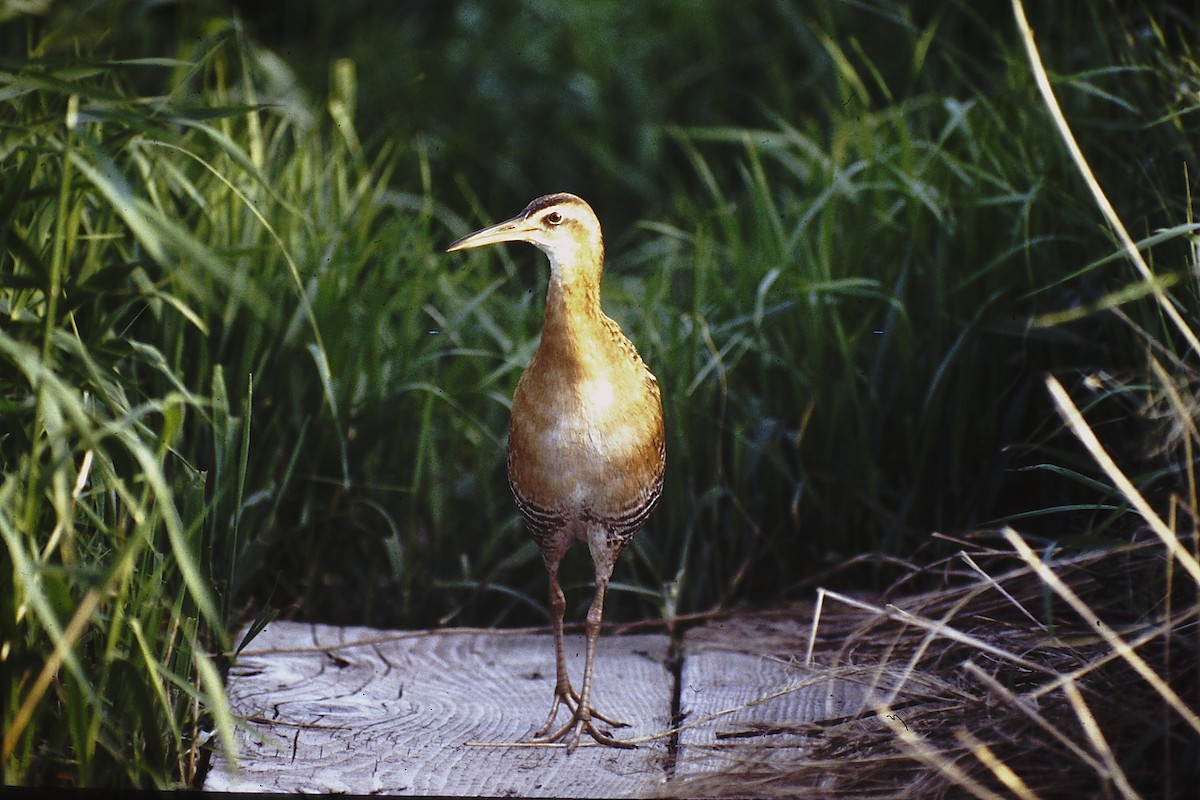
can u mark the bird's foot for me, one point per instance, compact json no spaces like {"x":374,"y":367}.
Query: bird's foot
{"x":572,"y":732}
{"x":581,"y":720}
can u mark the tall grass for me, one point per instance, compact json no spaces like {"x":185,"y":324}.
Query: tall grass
{"x":109,"y":572}
{"x":177,"y":266}
{"x":240,"y":378}
{"x":854,"y":362}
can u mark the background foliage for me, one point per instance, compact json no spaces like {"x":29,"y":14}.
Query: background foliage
{"x":239,"y":377}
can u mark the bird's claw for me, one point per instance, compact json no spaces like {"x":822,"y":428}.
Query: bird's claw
{"x":579,"y":725}
{"x":581,"y":720}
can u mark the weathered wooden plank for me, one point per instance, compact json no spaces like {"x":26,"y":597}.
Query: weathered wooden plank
{"x":367,"y":711}
{"x":732,"y":700}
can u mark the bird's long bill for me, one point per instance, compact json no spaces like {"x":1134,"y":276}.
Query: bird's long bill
{"x":516,"y":229}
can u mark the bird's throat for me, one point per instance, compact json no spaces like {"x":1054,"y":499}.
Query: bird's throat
{"x":573,"y":321}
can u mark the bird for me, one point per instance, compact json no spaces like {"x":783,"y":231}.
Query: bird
{"x":586,"y":442}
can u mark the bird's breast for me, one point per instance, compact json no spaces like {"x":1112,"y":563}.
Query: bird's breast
{"x":586,"y":433}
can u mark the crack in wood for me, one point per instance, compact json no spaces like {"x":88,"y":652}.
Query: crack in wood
{"x":674,"y":666}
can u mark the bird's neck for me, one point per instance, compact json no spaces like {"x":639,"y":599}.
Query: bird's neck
{"x":572,"y":308}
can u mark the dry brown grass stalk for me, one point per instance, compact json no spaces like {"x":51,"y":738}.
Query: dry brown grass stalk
{"x":1031,"y":674}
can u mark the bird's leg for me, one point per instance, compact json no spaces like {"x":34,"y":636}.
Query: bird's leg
{"x":583,"y":715}
{"x":563,"y":693}
{"x":595,"y":617}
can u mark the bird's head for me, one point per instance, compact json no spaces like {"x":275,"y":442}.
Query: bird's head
{"x":561,"y":225}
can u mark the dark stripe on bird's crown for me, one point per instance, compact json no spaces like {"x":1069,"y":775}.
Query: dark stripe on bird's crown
{"x":556,"y":199}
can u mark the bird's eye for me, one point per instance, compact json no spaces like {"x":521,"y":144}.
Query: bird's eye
{"x":554,"y":218}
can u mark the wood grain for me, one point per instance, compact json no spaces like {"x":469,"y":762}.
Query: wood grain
{"x":366,"y":711}
{"x":731,"y":701}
